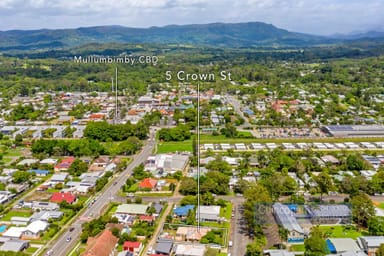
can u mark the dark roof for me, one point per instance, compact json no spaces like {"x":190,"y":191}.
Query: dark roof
{"x":158,"y":207}
{"x":164,"y":246}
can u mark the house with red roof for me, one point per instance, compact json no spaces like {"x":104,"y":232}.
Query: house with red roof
{"x":102,"y":245}
{"x":147,"y":218}
{"x":97,"y":116}
{"x":134,"y":247}
{"x":148,"y":183}
{"x":64,"y":164}
{"x":59,"y":197}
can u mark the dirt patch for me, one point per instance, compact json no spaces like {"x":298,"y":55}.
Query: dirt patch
{"x":38,"y":196}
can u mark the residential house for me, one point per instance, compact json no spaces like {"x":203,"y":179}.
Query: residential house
{"x":132,"y":209}
{"x":59,"y":178}
{"x":190,"y":234}
{"x":162,"y":164}
{"x":134,"y":247}
{"x":14,"y":245}
{"x":102,"y":245}
{"x":43,"y":206}
{"x":97,"y":116}
{"x":342,"y":245}
{"x":370,"y":244}
{"x":277,"y":253}
{"x":329,"y":214}
{"x":46,"y":215}
{"x":147,"y":218}
{"x":182,"y":211}
{"x":5,"y":196}
{"x":41,"y":173}
{"x":49,"y":161}
{"x":287,"y":218}
{"x":20,"y":221}
{"x":189,"y":250}
{"x":5,"y":179}
{"x":59,"y":197}
{"x":158,"y":208}
{"x":14,"y":232}
{"x":64,"y":164}
{"x":148,"y":184}
{"x":28,"y":162}
{"x":208,"y":213}
{"x":99,"y":164}
{"x":34,"y":229}
{"x":125,"y":253}
{"x":164,"y":246}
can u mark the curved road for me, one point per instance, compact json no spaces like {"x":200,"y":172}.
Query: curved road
{"x":61,"y":247}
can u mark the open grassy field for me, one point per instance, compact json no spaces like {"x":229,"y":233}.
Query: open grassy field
{"x":10,"y":214}
{"x":341,"y":231}
{"x":226,"y":211}
{"x":174,"y":146}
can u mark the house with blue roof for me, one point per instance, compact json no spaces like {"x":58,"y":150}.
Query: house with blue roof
{"x":39,"y":172}
{"x":249,"y":112}
{"x":182,"y":211}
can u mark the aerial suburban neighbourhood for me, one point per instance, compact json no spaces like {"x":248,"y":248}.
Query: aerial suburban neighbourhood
{"x":218,"y":139}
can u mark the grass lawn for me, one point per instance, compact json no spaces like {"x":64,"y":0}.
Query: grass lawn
{"x":297,"y":248}
{"x":31,"y":250}
{"x":154,"y":193}
{"x":341,"y":231}
{"x":11,"y":214}
{"x":226,"y":211}
{"x":216,"y":224}
{"x":14,"y":152}
{"x":113,"y":209}
{"x":173,"y":146}
{"x":380,"y":205}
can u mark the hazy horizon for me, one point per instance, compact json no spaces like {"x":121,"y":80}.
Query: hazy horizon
{"x":325,"y":17}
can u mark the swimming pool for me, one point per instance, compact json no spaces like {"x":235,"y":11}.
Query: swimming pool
{"x":3,"y":228}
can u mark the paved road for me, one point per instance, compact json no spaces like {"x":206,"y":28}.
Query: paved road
{"x":61,"y":247}
{"x":237,"y":107}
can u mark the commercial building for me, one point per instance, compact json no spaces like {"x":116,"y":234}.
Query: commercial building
{"x":355,"y":130}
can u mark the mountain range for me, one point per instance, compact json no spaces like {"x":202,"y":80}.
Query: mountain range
{"x":236,"y":35}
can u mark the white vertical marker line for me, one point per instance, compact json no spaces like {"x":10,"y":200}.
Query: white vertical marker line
{"x":198,"y":157}
{"x":116,"y":110}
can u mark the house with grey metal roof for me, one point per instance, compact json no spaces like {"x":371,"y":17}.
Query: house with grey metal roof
{"x":14,"y":245}
{"x":209,"y":213}
{"x":329,"y":214}
{"x":59,"y":177}
{"x":48,"y":206}
{"x":277,"y":253}
{"x":370,"y":243}
{"x":46,"y":215}
{"x":132,"y":209}
{"x":164,"y":246}
{"x":342,"y":245}
{"x":287,"y":219}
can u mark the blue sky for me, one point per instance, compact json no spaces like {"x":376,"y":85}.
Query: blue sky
{"x":322,"y":17}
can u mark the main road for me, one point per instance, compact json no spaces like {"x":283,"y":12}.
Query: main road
{"x":61,"y":246}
